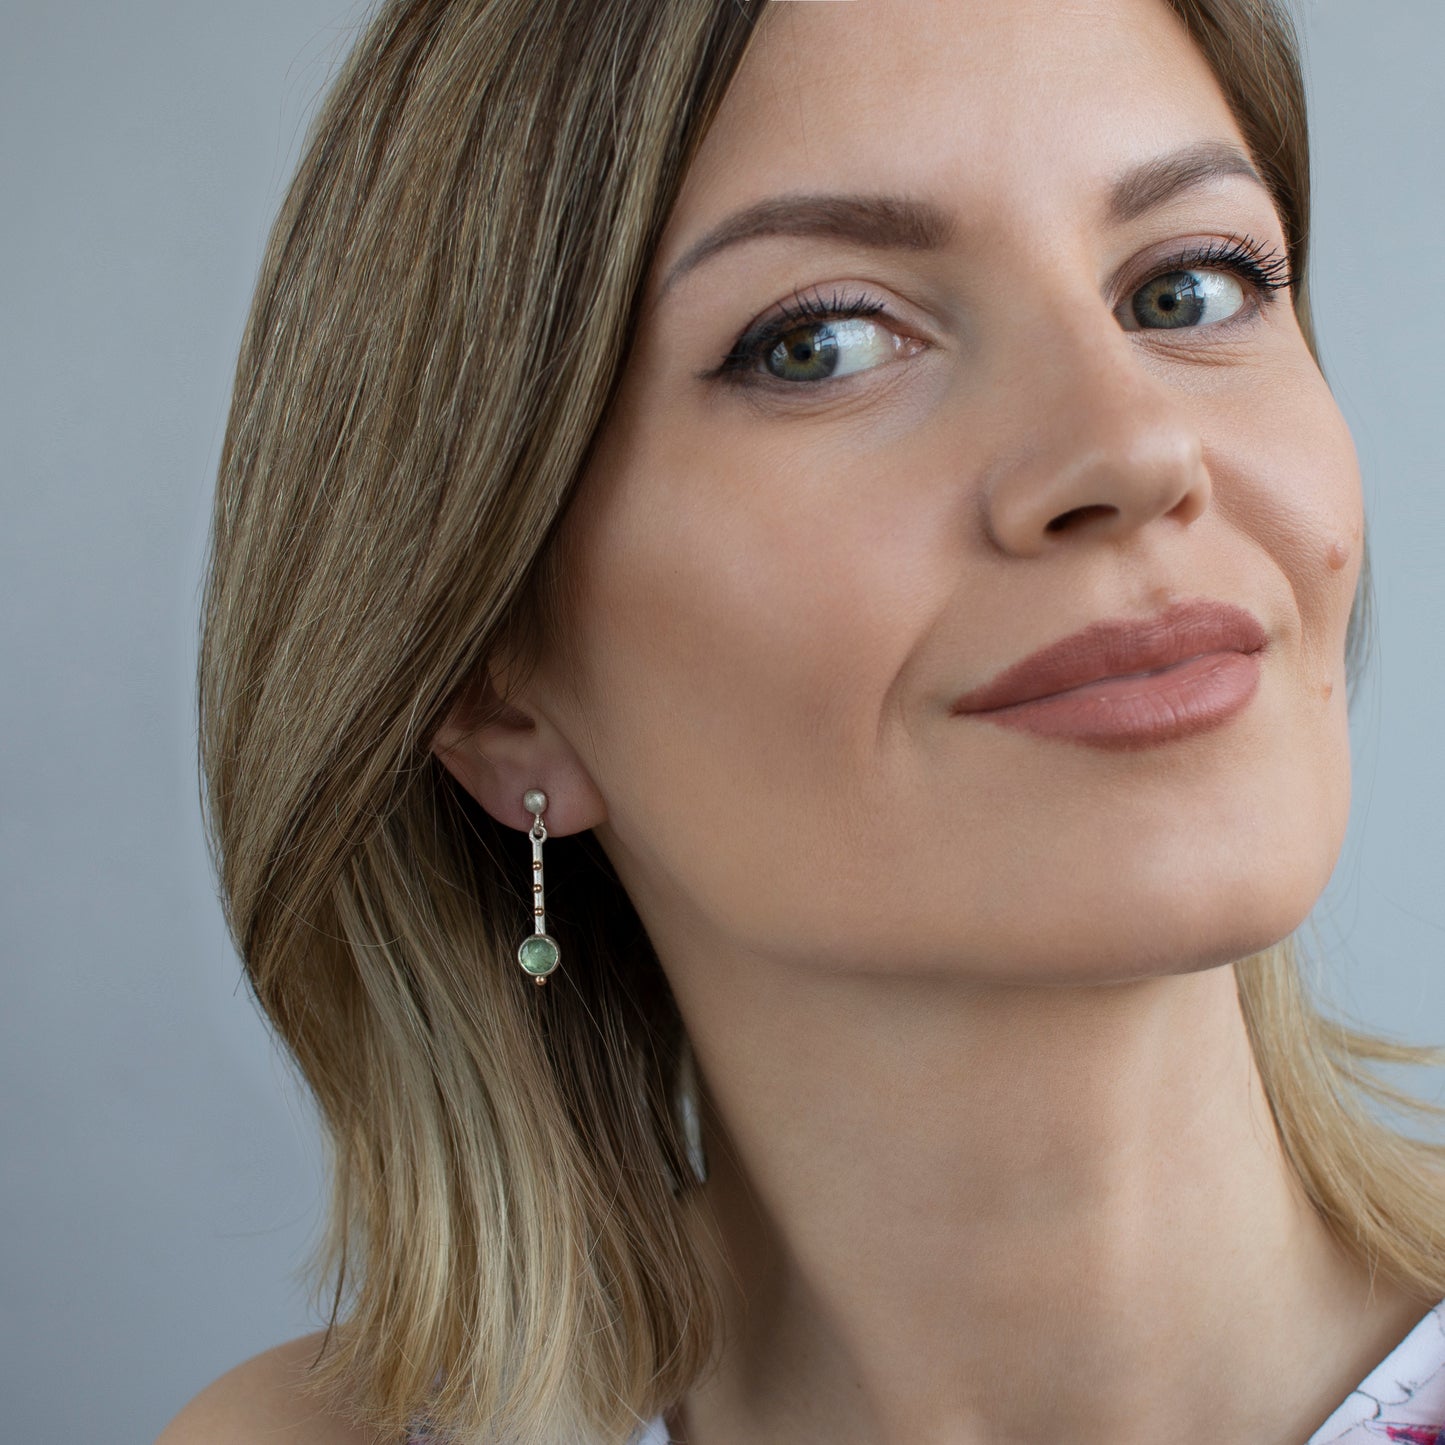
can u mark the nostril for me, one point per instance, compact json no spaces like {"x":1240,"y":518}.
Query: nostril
{"x":1078,"y":514}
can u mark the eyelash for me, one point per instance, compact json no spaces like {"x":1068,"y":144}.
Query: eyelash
{"x":1267,"y":271}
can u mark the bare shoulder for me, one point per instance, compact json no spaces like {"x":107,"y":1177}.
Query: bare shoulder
{"x":261,"y":1402}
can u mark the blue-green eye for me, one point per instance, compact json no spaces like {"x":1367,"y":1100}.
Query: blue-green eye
{"x":811,"y":340}
{"x":1202,"y":286}
{"x":1187,"y":298}
{"x":817,"y":350}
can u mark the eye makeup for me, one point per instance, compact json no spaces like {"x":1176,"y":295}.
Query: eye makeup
{"x":1263,"y":272}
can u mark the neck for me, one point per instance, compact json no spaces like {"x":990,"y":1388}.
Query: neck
{"x":948,"y":1213}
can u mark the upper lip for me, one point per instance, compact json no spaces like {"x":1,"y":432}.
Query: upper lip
{"x":1119,"y":647}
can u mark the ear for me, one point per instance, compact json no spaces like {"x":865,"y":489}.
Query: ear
{"x":498,"y":752}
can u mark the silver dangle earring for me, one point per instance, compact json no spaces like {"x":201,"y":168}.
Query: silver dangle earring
{"x":538,"y":952}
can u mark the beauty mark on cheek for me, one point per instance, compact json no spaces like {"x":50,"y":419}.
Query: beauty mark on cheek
{"x":1337,"y":555}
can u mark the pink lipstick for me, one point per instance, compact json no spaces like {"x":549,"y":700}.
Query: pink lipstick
{"x":1131,"y":682}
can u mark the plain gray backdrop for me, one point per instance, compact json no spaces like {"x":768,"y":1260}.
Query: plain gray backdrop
{"x":160,"y":1176}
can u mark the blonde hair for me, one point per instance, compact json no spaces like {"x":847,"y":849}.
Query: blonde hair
{"x":439,"y":326}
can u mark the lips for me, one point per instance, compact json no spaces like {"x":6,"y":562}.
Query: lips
{"x":1120,"y":647}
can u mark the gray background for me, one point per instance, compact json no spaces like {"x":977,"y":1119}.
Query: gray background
{"x":159,"y":1172}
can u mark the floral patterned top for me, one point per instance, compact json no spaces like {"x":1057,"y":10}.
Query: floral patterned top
{"x":1402,"y":1400}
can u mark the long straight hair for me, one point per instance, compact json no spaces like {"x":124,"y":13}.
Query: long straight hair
{"x":440,"y":323}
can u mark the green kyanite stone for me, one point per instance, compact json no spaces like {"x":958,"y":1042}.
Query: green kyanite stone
{"x":538,"y":954}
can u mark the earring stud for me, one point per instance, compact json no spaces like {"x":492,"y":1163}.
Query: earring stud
{"x":538,"y":953}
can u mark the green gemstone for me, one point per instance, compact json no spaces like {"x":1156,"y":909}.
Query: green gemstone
{"x":539,"y":954}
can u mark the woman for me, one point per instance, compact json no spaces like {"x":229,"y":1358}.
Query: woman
{"x":853,"y":483}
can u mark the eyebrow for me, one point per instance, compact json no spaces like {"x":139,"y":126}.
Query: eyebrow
{"x":905,"y":223}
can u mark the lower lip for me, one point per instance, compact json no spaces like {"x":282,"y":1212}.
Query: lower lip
{"x":1138,"y":712}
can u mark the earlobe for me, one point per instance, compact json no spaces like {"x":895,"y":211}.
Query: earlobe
{"x":500,"y":752}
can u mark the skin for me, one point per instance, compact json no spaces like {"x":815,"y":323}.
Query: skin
{"x":990,"y":1160}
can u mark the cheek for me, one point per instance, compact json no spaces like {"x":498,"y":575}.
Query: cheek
{"x":743,"y":618}
{"x":1289,"y":480}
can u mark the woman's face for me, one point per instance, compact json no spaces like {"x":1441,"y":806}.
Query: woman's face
{"x":788,"y":568}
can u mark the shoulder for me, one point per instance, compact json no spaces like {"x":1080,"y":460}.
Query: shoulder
{"x":261,"y":1402}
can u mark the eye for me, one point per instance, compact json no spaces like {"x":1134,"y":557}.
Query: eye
{"x":809,"y":341}
{"x":1187,"y":298}
{"x":1206,"y":286}
{"x":821,"y":349}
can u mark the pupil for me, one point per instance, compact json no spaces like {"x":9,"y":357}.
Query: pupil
{"x":1168,"y":302}
{"x":802,"y":351}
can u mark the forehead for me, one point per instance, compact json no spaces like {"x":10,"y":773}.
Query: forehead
{"x":990,"y":105}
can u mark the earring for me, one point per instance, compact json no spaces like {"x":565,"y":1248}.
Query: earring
{"x":538,"y":953}
{"x":686,"y":1098}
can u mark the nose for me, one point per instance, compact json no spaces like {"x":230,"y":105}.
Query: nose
{"x":1099,"y":445}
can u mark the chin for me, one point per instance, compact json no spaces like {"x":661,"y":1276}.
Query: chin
{"x":1242,"y":875}
{"x":1157,"y":924}
{"x":1157,"y":904}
